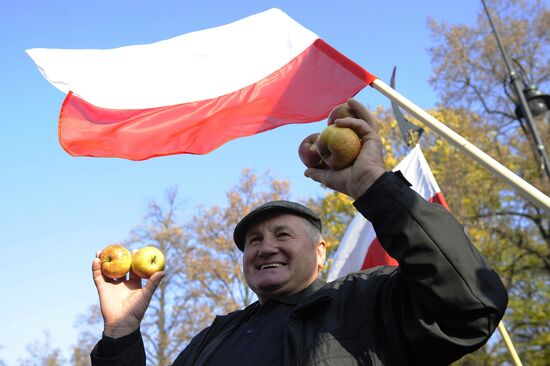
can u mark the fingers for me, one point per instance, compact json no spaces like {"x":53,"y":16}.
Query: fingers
{"x":363,"y":113}
{"x":365,"y":123}
{"x":364,"y":130}
{"x":318,"y":175}
{"x":153,"y":283}
{"x":98,"y":276}
{"x":96,"y":272}
{"x":133,"y":275}
{"x":96,"y":268}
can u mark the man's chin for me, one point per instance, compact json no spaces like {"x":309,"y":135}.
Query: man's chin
{"x":270,"y":289}
{"x":271,"y":286}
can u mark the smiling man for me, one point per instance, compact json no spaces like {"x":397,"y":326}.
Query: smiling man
{"x":283,"y":251}
{"x":442,"y":302}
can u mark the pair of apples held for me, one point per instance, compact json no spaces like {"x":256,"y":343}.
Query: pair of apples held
{"x":335,"y":147}
{"x":117,"y":261}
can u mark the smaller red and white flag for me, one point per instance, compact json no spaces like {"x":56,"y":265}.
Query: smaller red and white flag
{"x":359,"y":248}
{"x":195,"y":92}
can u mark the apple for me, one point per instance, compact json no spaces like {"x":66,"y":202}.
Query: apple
{"x":308,"y":152}
{"x":147,"y":261}
{"x":115,"y":260}
{"x":338,"y":146}
{"x":340,"y":111}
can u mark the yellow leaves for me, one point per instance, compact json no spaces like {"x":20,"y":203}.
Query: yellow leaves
{"x":390,"y":136}
{"x":336,"y":211}
{"x":279,"y":185}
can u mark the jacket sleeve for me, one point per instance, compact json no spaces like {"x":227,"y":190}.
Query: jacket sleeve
{"x":125,"y":351}
{"x":186,"y":357}
{"x":444,"y":300}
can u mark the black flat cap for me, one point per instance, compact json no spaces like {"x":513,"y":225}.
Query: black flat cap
{"x":295,"y":208}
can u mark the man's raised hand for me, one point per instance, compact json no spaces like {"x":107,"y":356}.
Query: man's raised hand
{"x":368,"y":166}
{"x":123,"y":302}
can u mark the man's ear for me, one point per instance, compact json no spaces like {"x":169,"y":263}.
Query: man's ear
{"x":321,"y":254}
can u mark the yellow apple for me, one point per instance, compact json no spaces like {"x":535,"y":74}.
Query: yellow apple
{"x":147,"y":261}
{"x":338,"y":146}
{"x":116,"y":261}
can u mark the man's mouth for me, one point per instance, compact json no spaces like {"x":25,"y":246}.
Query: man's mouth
{"x":271,"y":265}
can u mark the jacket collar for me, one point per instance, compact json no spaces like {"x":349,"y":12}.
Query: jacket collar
{"x":304,"y":294}
{"x":312,"y":289}
{"x":316,"y":292}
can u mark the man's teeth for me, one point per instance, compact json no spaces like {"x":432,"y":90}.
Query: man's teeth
{"x":271,"y":265}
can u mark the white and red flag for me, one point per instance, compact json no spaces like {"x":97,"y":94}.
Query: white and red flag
{"x":359,"y":248}
{"x":197,"y":91}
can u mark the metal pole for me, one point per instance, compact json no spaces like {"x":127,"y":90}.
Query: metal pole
{"x":517,"y":82}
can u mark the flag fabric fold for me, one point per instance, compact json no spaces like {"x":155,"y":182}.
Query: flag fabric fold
{"x":359,"y":248}
{"x":197,"y":91}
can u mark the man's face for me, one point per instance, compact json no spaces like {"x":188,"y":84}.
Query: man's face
{"x":280,"y":256}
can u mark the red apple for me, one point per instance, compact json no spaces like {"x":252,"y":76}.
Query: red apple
{"x":340,"y":111}
{"x":115,"y":261}
{"x":147,"y":261}
{"x":338,"y":146}
{"x":308,"y":152}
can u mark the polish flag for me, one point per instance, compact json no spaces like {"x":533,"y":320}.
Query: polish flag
{"x":197,"y":91}
{"x":359,"y":248}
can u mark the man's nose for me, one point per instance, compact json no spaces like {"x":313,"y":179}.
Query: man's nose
{"x":267,"y":248}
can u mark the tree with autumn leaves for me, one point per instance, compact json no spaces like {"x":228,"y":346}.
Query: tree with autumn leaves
{"x":473,"y":82}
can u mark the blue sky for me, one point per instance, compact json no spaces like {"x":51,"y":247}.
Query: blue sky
{"x":57,"y":210}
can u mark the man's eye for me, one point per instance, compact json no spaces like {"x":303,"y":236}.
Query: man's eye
{"x":253,"y":240}
{"x":283,"y":235}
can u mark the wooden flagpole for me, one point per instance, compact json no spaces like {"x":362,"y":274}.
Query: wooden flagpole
{"x":525,"y":189}
{"x":508,"y":341}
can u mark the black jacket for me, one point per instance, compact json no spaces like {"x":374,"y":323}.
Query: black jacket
{"x":442,"y":302}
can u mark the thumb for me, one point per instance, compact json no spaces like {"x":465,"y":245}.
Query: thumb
{"x":153,"y":283}
{"x":318,"y":175}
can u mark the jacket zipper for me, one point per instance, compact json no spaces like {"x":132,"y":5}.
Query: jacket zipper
{"x":295,"y":345}
{"x":294,"y":315}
